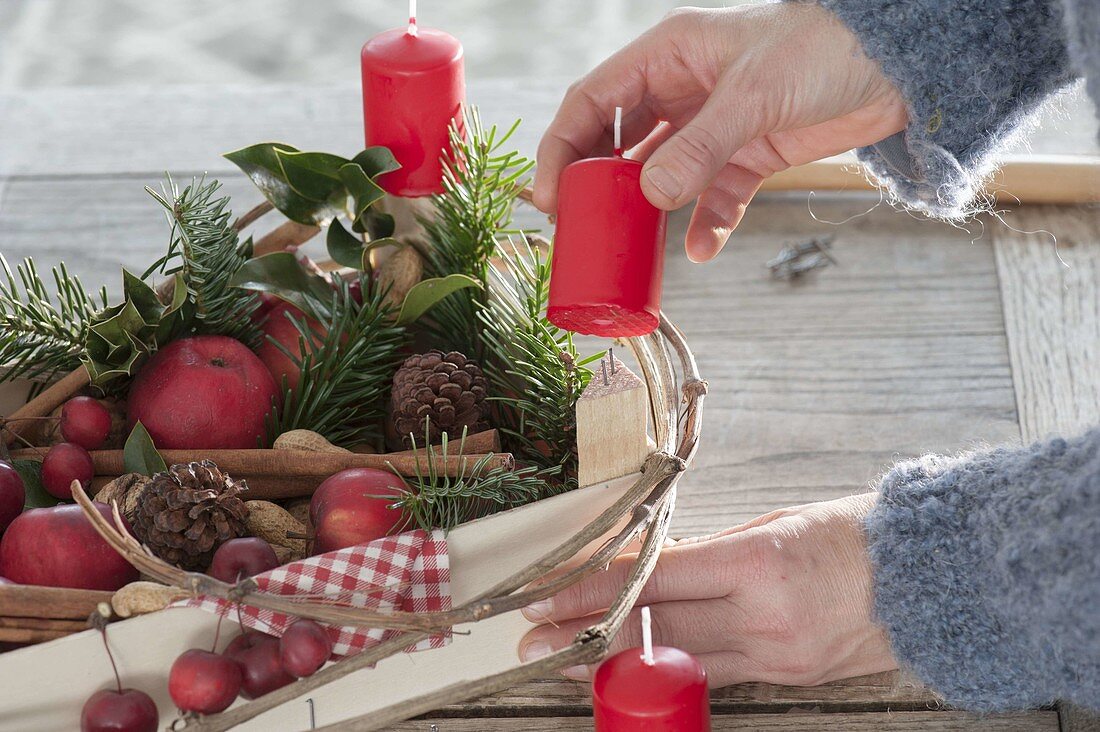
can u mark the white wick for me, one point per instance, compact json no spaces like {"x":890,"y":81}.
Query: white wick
{"x":647,"y":638}
{"x":412,"y":17}
{"x":618,"y":130}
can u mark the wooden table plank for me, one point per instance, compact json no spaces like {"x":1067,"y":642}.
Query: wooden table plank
{"x":563,"y":698}
{"x":1051,"y":299}
{"x":875,"y":722}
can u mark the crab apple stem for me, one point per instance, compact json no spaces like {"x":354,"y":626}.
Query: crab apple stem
{"x":110,"y":656}
{"x":218,"y":631}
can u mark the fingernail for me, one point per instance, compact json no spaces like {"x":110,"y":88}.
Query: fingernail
{"x":535,"y":650}
{"x":665,"y":182}
{"x":538,"y":612}
{"x":577,"y":673}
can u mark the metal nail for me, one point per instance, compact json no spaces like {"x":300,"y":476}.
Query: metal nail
{"x":611,"y":358}
{"x":606,"y":381}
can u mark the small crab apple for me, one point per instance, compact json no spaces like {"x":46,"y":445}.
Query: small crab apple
{"x":117,"y":709}
{"x":13,"y":494}
{"x":85,"y":422}
{"x":204,"y":682}
{"x":304,"y":648}
{"x":239,"y":558}
{"x":64,"y":463}
{"x":258,"y":656}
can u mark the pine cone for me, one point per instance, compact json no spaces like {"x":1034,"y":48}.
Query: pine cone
{"x":448,"y":390}
{"x":188,"y":512}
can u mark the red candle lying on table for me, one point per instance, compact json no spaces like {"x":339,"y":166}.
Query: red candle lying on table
{"x":651,"y":689}
{"x":414,"y":86}
{"x":609,"y":250}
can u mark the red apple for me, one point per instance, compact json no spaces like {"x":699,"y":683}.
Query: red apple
{"x":64,"y":463}
{"x":207,"y":392}
{"x":239,"y":558}
{"x":204,"y":682}
{"x":261,"y":670}
{"x":111,"y":710}
{"x":13,"y":494}
{"x":281,"y":329}
{"x":86,"y":422}
{"x":59,"y":547}
{"x":304,"y":648}
{"x":354,"y":507}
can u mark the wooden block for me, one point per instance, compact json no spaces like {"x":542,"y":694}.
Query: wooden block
{"x":612,"y":422}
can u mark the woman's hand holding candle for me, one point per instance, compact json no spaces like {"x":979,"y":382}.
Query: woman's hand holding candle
{"x":744,"y":92}
{"x":785,"y":598}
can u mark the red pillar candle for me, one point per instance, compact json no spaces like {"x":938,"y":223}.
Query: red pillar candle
{"x":609,"y":250}
{"x":413,"y":89}
{"x":651,"y":689}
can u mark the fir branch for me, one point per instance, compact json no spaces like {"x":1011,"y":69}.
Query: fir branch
{"x":480,"y":187}
{"x":438,"y":501}
{"x":532,"y":366}
{"x":346,"y":372}
{"x":42,"y":335}
{"x":204,"y":246}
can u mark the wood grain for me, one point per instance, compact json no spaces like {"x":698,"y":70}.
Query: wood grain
{"x":1051,"y":295}
{"x":1050,"y":284}
{"x":791,"y":722}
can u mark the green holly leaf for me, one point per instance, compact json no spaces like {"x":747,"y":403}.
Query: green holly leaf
{"x":140,"y":455}
{"x":313,"y":175}
{"x":282,"y":276}
{"x":36,"y":495}
{"x":363,"y":190}
{"x":376,"y":160}
{"x":344,"y":247}
{"x":261,"y":164}
{"x":427,"y":293}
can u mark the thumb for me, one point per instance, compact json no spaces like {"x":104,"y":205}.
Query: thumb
{"x":685,"y":164}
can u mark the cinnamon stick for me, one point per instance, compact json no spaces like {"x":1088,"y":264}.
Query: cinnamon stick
{"x":28,"y":601}
{"x":295,"y":463}
{"x":477,"y":443}
{"x":22,"y":420}
{"x":30,"y":635}
{"x":72,"y":626}
{"x":290,"y":233}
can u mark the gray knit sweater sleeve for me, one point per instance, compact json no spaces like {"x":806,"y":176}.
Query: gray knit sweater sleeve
{"x":987,"y":573}
{"x":972,"y":73}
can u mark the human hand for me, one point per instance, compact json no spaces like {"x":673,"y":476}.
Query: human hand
{"x":784,"y":598}
{"x":718,"y":100}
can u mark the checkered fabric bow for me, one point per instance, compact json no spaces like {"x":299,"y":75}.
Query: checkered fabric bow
{"x":409,"y":572}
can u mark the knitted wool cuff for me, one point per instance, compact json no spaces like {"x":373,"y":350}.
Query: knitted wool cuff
{"x":972,"y":72}
{"x":987,"y":573}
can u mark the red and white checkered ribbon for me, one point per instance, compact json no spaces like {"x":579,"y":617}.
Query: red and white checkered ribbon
{"x":409,"y":572}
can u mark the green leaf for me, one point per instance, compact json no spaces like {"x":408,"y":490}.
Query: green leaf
{"x":261,"y":164}
{"x":31,"y":473}
{"x":427,"y":293}
{"x":344,"y":247}
{"x":313,"y":175}
{"x":363,"y":190}
{"x":282,"y":276}
{"x":140,"y":454}
{"x":376,"y":160}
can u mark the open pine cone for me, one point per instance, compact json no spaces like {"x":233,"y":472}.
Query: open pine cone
{"x":446,"y":389}
{"x":185,"y":514}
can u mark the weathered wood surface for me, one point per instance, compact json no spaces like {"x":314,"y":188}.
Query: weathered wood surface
{"x":791,"y":722}
{"x":1050,"y":282}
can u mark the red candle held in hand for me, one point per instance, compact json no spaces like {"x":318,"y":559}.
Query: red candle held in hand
{"x":609,"y":250}
{"x":651,"y":689}
{"x":414,"y":86}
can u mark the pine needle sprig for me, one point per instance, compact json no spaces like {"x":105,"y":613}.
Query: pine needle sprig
{"x":436,"y":501}
{"x":534,"y":370}
{"x":43,"y":334}
{"x":346,"y":371}
{"x":480,"y":188}
{"x":205,"y":247}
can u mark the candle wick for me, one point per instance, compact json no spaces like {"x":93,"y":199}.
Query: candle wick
{"x":412,"y":17}
{"x":647,"y":638}
{"x":618,"y":132}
